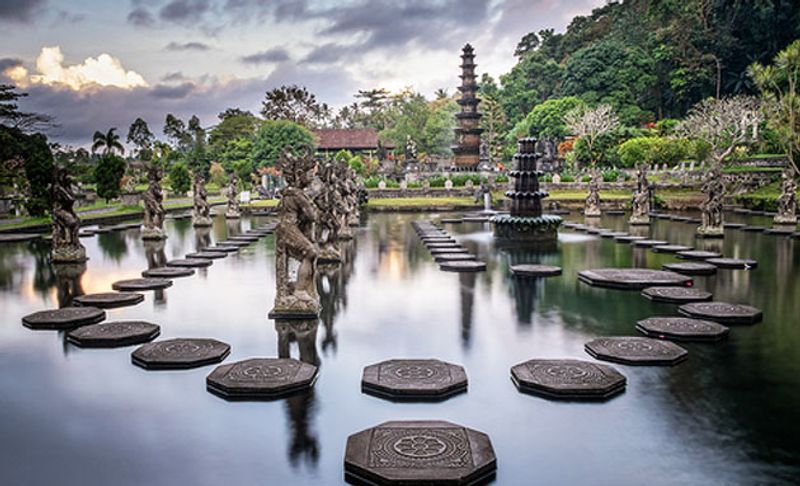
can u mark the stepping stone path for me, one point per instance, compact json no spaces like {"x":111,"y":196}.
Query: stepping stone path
{"x":419,"y":452}
{"x":222,"y":248}
{"x":234,"y":243}
{"x":671,"y":248}
{"x":628,"y":238}
{"x":450,"y":255}
{"x":733,"y":225}
{"x":109,"y":300}
{"x":441,"y":245}
{"x":18,"y":237}
{"x":261,"y":378}
{"x":136,"y":284}
{"x":636,"y":351}
{"x":648,"y":243}
{"x":535,"y":270}
{"x":414,"y":379}
{"x":206,"y":255}
{"x":189,"y":263}
{"x":180,"y":354}
{"x":167,"y":272}
{"x":753,"y":229}
{"x":568,"y":379}
{"x":451,"y":221}
{"x":698,"y":254}
{"x":66,"y":318}
{"x":722,"y":312}
{"x":733,"y":263}
{"x":453,"y":257}
{"x":245,"y":238}
{"x":676,"y":295}
{"x":632,"y":278}
{"x":788,"y":231}
{"x":615,"y":212}
{"x":613,"y":234}
{"x":440,"y":251}
{"x":114,"y":334}
{"x":682,"y":329}
{"x":475,"y":219}
{"x":691,"y":268}
{"x":86,"y":233}
{"x":465,"y":266}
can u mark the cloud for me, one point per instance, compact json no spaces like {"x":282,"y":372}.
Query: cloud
{"x":276,"y":54}
{"x":187,"y":46}
{"x":280,"y":10}
{"x":172,"y":92}
{"x":64,"y":17}
{"x":141,"y":17}
{"x":9,"y":63}
{"x":104,"y":70}
{"x":21,"y":11}
{"x":184,"y":11}
{"x":328,"y":54}
{"x":174,"y":76}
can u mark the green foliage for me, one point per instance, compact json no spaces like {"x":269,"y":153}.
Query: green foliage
{"x":36,"y":174}
{"x":372,"y":182}
{"x":142,"y":138}
{"x":533,"y":80}
{"x":653,"y":150}
{"x":107,"y":176}
{"x":243,"y":170}
{"x":275,"y":135}
{"x":179,"y":178}
{"x":546,"y":120}
{"x":611,"y":175}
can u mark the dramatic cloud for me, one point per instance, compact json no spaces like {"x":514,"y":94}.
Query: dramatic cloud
{"x":172,"y":92}
{"x":184,"y":11}
{"x":328,"y":54}
{"x":23,"y":11}
{"x":276,"y":54}
{"x":103,"y":70}
{"x":176,"y":76}
{"x":141,"y":17}
{"x":187,"y":46}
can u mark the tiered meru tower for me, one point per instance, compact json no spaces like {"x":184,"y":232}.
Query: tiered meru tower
{"x":468,"y":136}
{"x":526,"y":222}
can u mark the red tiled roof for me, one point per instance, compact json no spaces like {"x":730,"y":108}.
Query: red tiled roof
{"x":356,"y":139}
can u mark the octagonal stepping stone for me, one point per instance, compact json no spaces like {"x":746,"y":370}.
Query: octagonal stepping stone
{"x":414,"y":379}
{"x":206,"y":255}
{"x":109,"y":300}
{"x":535,"y":270}
{"x":180,"y":354}
{"x":691,"y":268}
{"x":581,"y":228}
{"x":613,"y":234}
{"x":66,"y":318}
{"x":18,"y":237}
{"x":419,"y":452}
{"x":475,"y":219}
{"x":102,"y":230}
{"x":733,"y":263}
{"x":733,"y":225}
{"x":648,"y":243}
{"x":788,"y":231}
{"x":753,"y":229}
{"x":568,"y":379}
{"x":463,"y":266}
{"x":114,"y":334}
{"x":85,"y":233}
{"x":433,"y":239}
{"x":615,"y":212}
{"x":698,"y":254}
{"x":135,"y":284}
{"x":569,"y":224}
{"x":671,"y":248}
{"x":451,"y":244}
{"x":682,"y":219}
{"x":453,"y":257}
{"x":676,"y":295}
{"x":167,"y":272}
{"x":451,"y":221}
{"x":441,"y":251}
{"x":261,"y":378}
{"x":595,"y":231}
{"x":722,"y":312}
{"x":682,"y":329}
{"x":222,"y":249}
{"x":628,"y":238}
{"x":189,"y":263}
{"x":237,"y":244}
{"x":632,"y":278}
{"x":636,"y":351}
{"x":245,"y":238}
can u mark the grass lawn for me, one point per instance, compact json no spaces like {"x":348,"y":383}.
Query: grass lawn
{"x":410,"y":202}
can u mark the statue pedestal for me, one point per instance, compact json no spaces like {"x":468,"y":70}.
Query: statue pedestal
{"x":785,"y":220}
{"x":279,"y":313}
{"x":710,"y":232}
{"x":233,"y":215}
{"x":639,"y":220}
{"x":201,"y":221}
{"x":153,"y":233}
{"x":69,"y":254}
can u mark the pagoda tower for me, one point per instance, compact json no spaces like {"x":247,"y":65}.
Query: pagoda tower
{"x":468,"y":135}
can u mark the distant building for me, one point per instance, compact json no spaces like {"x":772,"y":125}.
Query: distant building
{"x":363,"y":141}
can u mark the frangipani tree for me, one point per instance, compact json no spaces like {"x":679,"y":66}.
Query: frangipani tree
{"x":588,"y":124}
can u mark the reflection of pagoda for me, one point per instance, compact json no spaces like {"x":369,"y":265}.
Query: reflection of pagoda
{"x":468,"y":135}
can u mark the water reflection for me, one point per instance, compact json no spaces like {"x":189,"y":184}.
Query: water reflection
{"x":68,"y":278}
{"x":113,"y":245}
{"x":466,"y":296}
{"x":332,"y":280}
{"x":202,"y":238}
{"x":156,"y":257}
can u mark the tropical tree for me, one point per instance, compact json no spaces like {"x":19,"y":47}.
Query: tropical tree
{"x":108,"y":141}
{"x":275,"y":135}
{"x":142,"y":138}
{"x":27,"y":162}
{"x":294,"y":103}
{"x":175,"y":130}
{"x":179,"y":178}
{"x":495,"y":126}
{"x":107,"y":175}
{"x":546,"y":120}
{"x":588,"y":124}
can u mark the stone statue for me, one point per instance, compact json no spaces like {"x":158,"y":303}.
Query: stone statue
{"x":592,"y":206}
{"x":153,"y":227}
{"x":640,"y":205}
{"x":202,"y":211}
{"x":345,"y":188}
{"x":329,"y":204}
{"x":714,"y":190}
{"x":352,"y":198}
{"x":787,"y":202}
{"x":296,"y":295}
{"x":233,"y":211}
{"x":67,"y":248}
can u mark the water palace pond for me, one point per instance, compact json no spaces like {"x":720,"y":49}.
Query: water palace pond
{"x":729,"y":414}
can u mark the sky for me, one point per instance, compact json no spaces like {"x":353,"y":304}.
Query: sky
{"x":96,"y":64}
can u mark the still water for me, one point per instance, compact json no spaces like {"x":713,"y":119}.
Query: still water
{"x":71,"y":416}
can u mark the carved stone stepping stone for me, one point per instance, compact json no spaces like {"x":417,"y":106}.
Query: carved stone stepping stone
{"x":261,"y":378}
{"x":237,"y":244}
{"x":648,"y":243}
{"x":733,"y":225}
{"x":733,"y":263}
{"x":85,"y":233}
{"x":582,"y":228}
{"x":570,"y":379}
{"x":114,"y":334}
{"x":612,"y":234}
{"x":698,"y":254}
{"x":636,"y":351}
{"x":453,"y":257}
{"x":682,"y":329}
{"x":419,"y":452}
{"x":691,"y":268}
{"x":18,"y":237}
{"x":596,"y":231}
{"x":437,"y":239}
{"x":207,"y":255}
{"x":676,"y":295}
{"x":414,"y":379}
{"x":180,"y":354}
{"x":136,"y":284}
{"x":628,"y":238}
{"x":109,"y":300}
{"x":788,"y":231}
{"x":535,"y":270}
{"x":102,"y":230}
{"x":438,"y":246}
{"x":189,"y":263}
{"x":722,"y":312}
{"x":615,"y":212}
{"x":682,"y":219}
{"x":223,"y":249}
{"x":259,"y":232}
{"x":455,"y":249}
{"x":451,"y":221}
{"x":753,"y":229}
{"x":66,"y":318}
{"x":632,"y":278}
{"x":671,"y":248}
{"x":245,"y":238}
{"x":167,"y":272}
{"x":475,"y":219}
{"x":693,"y":221}
{"x":569,"y":224}
{"x":463,"y":266}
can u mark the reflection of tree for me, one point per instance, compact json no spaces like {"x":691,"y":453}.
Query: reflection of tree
{"x":10,"y":266}
{"x":68,"y":282}
{"x":43,"y":277}
{"x":113,"y":245}
{"x":467,"y":299}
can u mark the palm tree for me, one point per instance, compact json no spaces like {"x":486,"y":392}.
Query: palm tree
{"x":108,"y":141}
{"x":441,"y":93}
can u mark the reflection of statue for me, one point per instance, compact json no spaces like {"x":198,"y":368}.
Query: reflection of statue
{"x":714,"y":190}
{"x":153,"y":227}
{"x":156,"y":258}
{"x":66,"y":224}
{"x":202,"y":211}
{"x":592,"y":207}
{"x":68,"y":282}
{"x":640,"y":205}
{"x":787,"y":202}
{"x":233,"y":211}
{"x":296,"y":297}
{"x":330,"y":205}
{"x":304,"y":333}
